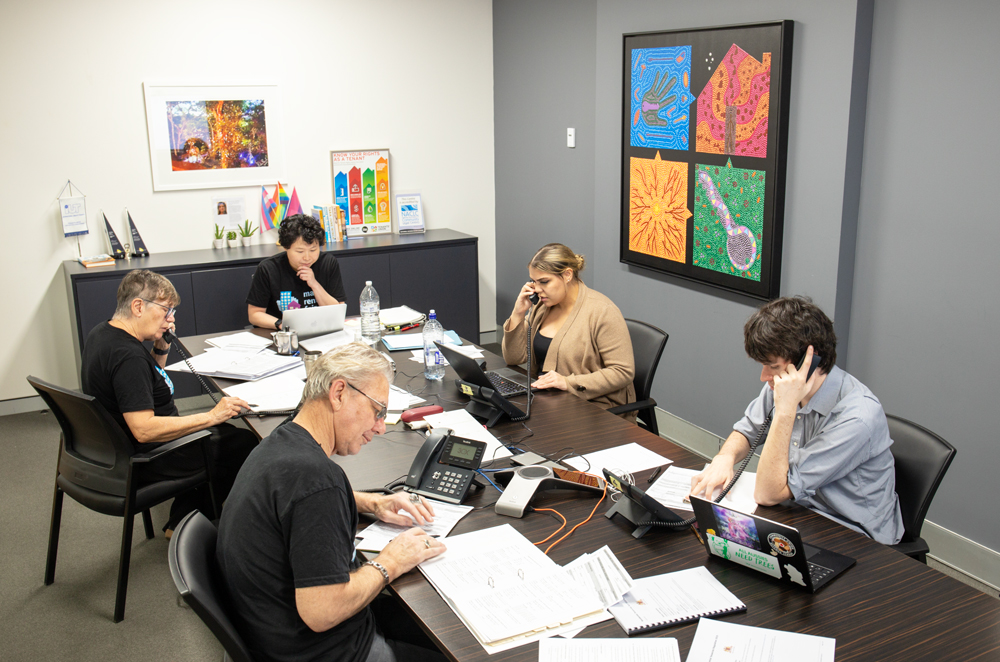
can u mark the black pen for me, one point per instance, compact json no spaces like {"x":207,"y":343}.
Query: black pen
{"x":655,"y":474}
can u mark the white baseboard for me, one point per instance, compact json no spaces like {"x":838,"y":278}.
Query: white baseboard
{"x":487,"y":337}
{"x":21,"y":405}
{"x":964,"y":555}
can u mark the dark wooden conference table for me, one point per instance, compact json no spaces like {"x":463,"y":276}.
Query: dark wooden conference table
{"x":887,"y":607}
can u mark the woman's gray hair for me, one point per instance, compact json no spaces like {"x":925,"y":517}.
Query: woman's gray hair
{"x":355,"y":363}
{"x":144,"y":284}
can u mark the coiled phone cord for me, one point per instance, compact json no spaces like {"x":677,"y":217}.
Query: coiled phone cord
{"x":527,"y":413}
{"x":736,"y":476}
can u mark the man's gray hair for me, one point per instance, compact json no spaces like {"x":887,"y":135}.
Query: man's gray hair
{"x":144,"y":284}
{"x":355,"y":363}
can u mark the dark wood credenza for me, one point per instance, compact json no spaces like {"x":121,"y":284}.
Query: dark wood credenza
{"x":438,"y":269}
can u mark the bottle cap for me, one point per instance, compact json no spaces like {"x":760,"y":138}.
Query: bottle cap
{"x":432,"y":315}
{"x":368,"y":282}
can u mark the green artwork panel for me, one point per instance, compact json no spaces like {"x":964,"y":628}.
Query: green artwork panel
{"x":728,"y":220}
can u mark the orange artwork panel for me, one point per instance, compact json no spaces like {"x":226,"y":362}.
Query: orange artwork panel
{"x":658,"y":210}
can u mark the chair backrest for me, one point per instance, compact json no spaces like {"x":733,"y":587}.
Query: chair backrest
{"x":647,"y":347}
{"x":922,"y":458}
{"x":95,"y":451}
{"x":196,"y":575}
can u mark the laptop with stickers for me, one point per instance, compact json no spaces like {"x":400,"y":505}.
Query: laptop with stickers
{"x":766,"y":546}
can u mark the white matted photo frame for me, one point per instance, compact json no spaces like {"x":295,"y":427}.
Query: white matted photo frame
{"x":214,"y":136}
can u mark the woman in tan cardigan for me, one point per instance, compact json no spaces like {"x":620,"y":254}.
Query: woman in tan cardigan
{"x":579,"y":337}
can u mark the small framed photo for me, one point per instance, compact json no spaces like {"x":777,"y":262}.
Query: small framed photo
{"x":409,"y":213}
{"x":214,"y":136}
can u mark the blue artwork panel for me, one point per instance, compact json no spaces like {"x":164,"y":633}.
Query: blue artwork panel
{"x":661,"y":96}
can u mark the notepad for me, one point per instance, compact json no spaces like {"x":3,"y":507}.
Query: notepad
{"x":678,"y":597}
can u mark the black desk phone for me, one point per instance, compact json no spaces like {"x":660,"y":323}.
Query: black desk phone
{"x":445,"y":467}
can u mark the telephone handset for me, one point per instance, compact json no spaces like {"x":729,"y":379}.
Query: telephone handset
{"x":169,"y":338}
{"x":445,"y":467}
{"x":533,"y":299}
{"x":812,"y":367}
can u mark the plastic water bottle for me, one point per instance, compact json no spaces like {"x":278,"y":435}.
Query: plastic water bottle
{"x":371,"y":326}
{"x":433,"y":361}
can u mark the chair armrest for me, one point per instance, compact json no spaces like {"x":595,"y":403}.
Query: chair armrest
{"x":914,"y":548}
{"x":632,"y":406}
{"x":141,"y":458}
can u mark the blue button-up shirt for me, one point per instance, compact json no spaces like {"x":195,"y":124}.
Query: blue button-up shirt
{"x":839,"y":462}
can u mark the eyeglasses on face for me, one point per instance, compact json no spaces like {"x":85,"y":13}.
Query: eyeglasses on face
{"x":170,"y":311}
{"x":382,"y":412}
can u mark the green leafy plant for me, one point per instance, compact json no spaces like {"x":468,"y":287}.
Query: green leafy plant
{"x":220,"y":233}
{"x":231,"y":235}
{"x":246,"y":230}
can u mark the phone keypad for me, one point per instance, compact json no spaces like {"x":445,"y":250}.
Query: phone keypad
{"x":449,"y":482}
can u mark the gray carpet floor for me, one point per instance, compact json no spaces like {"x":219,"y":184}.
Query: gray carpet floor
{"x":71,"y":619}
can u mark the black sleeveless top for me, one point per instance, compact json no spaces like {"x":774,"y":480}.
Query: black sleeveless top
{"x":540,"y":347}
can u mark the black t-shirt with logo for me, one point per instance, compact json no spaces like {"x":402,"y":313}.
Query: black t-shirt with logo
{"x":276,"y":287}
{"x":289,"y":523}
{"x":120,"y":372}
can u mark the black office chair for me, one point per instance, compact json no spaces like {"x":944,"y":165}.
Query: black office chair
{"x":193,"y":567}
{"x":647,"y":347}
{"x":922,"y":458}
{"x":96,"y":467}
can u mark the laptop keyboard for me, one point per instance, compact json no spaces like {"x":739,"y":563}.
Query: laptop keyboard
{"x":818,"y":573}
{"x":505,"y":386}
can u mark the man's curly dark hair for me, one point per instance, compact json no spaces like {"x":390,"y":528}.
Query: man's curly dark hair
{"x":300,"y":225}
{"x":785,"y":327}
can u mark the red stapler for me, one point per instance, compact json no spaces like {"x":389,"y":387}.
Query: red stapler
{"x":417,"y":414}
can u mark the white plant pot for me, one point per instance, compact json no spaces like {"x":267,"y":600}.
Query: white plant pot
{"x":219,"y":243}
{"x":233,"y":243}
{"x":246,"y":241}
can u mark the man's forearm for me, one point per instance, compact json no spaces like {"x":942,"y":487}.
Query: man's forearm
{"x":772,"y":470}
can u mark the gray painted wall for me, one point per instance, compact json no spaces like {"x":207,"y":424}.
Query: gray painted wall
{"x":919,"y":335}
{"x":925,"y":312}
{"x":543,"y":82}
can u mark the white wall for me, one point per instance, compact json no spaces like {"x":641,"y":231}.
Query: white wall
{"x":416,"y":77}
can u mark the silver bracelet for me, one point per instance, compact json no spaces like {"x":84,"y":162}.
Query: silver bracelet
{"x":381,"y":568}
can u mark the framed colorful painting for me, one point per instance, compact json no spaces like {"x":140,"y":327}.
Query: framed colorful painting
{"x":704,"y":149}
{"x":214,"y":136}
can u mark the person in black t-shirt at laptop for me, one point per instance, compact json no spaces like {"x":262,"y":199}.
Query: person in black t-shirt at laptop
{"x":131,"y":383}
{"x":298,"y":589}
{"x":301,"y":277}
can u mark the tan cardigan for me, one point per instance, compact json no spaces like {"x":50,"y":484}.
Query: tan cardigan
{"x":592,"y":350}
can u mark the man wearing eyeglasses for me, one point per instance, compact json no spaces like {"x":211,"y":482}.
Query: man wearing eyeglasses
{"x":131,"y":383}
{"x":286,"y":537}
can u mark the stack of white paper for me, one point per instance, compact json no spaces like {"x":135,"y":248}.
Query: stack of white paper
{"x":446,"y":516}
{"x":506,"y":591}
{"x":629,"y":458}
{"x":609,"y":650}
{"x":715,"y":641}
{"x":244,"y":341}
{"x":230,"y":364}
{"x":327,"y":341}
{"x":276,"y":393}
{"x":674,"y":484}
{"x":400,"y":399}
{"x":399,"y":316}
{"x":471,"y":351}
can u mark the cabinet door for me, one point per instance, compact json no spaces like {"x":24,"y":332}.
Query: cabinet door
{"x":445,"y":279}
{"x":220,"y":298}
{"x":356,"y":269}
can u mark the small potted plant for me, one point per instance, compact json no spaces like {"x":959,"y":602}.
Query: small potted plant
{"x":231,"y":238}
{"x":246,"y":232}
{"x":220,"y":237}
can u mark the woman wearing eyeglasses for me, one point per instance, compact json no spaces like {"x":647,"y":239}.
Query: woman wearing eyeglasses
{"x":131,"y":383}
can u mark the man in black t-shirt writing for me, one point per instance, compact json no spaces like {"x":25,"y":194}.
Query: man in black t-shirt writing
{"x":286,"y":538}
{"x":301,"y":277}
{"x":131,"y":383}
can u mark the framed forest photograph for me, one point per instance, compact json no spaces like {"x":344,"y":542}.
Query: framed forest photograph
{"x":704,"y":151}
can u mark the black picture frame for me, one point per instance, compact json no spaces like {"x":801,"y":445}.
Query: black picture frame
{"x":731,"y":224}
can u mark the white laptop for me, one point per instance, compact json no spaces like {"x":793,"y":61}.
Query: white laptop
{"x":315,"y":321}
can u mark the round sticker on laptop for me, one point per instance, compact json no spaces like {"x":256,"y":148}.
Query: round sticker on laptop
{"x":780,"y":544}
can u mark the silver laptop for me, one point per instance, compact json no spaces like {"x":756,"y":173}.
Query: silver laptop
{"x":315,"y":321}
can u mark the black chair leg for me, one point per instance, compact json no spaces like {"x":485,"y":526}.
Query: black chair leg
{"x":123,"y":563}
{"x":50,"y":560}
{"x":651,"y":416}
{"x":147,"y":523}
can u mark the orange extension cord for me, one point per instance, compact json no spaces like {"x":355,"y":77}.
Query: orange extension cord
{"x":570,"y":532}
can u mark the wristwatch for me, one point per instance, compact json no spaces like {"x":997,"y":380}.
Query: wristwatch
{"x":381,"y":568}
{"x":277,"y":323}
{"x":161,"y":352}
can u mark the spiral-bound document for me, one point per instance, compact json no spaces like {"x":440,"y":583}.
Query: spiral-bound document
{"x":674,"y":598}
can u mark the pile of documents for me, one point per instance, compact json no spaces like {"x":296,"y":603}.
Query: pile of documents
{"x":234,"y":364}
{"x":509,"y":593}
{"x":471,"y":351}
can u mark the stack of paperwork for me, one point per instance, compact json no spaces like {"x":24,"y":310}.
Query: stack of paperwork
{"x":233,"y":364}
{"x":464,"y":425}
{"x":244,"y":341}
{"x":446,"y":516}
{"x":401,"y":341}
{"x":509,"y":593}
{"x":471,"y":351}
